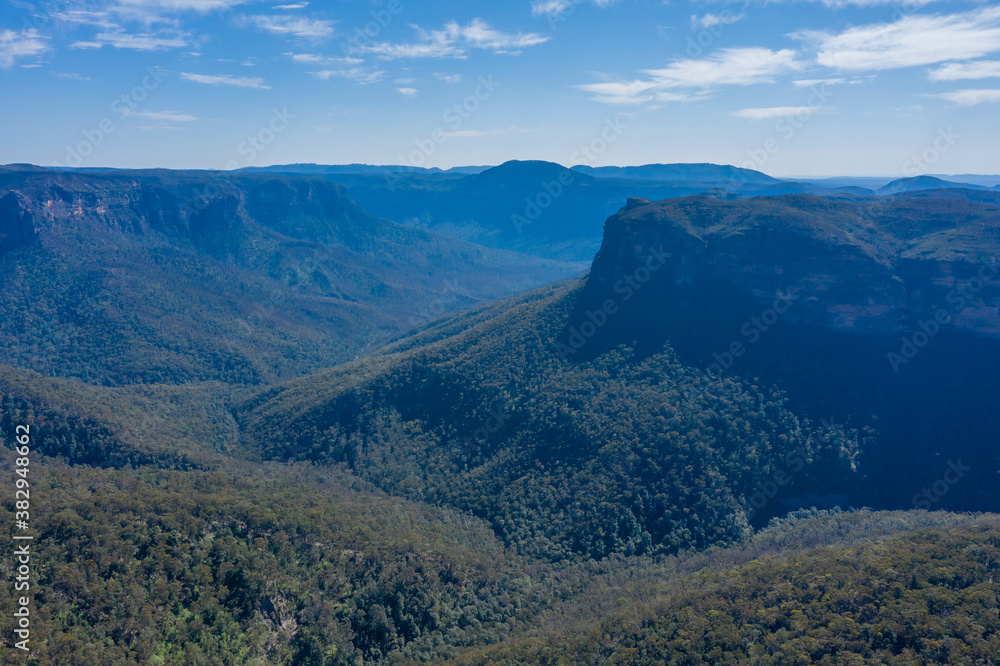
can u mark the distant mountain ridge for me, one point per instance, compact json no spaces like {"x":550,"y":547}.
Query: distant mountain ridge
{"x":539,"y":207}
{"x":701,"y":172}
{"x":171,"y":276}
{"x":924,"y":183}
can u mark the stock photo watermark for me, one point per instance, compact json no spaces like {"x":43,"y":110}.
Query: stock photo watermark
{"x":249,"y":149}
{"x":626,"y":288}
{"x":123,"y":106}
{"x":454,"y":117}
{"x":550,"y":190}
{"x":752,"y":330}
{"x":960,"y":298}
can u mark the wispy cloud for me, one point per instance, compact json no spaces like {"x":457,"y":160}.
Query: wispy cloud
{"x":137,"y":42}
{"x":454,"y":41}
{"x":16,"y":44}
{"x":553,"y":7}
{"x":298,"y":5}
{"x":101,"y":19}
{"x":319,"y":59}
{"x":911,"y":41}
{"x":70,"y":75}
{"x":359,"y":74}
{"x":773,"y":112}
{"x":294,"y":26}
{"x":971,"y":97}
{"x":711,"y":20}
{"x":149,"y":12}
{"x":226,"y":80}
{"x":808,"y":83}
{"x":409,"y":92}
{"x":337,"y":67}
{"x":448,"y":78}
{"x":163,"y":116}
{"x":180,"y":5}
{"x":840,"y":4}
{"x":979,"y":69}
{"x":738,"y":66}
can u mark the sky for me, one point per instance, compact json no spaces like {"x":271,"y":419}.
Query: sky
{"x":788,"y":87}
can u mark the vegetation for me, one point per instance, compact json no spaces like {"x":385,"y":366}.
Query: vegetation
{"x":465,"y":494}
{"x":139,"y":277}
{"x":921,"y":594}
{"x":564,"y":460}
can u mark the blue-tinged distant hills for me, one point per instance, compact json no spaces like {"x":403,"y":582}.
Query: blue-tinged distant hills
{"x":720,"y":173}
{"x":924,"y":183}
{"x":159,"y":275}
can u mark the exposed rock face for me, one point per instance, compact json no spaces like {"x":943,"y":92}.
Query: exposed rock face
{"x":160,"y":275}
{"x":894,"y":324}
{"x":16,"y":224}
{"x":860,"y":268}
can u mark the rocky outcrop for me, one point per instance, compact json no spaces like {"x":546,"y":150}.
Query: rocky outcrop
{"x":884,"y":268}
{"x":16,"y":225}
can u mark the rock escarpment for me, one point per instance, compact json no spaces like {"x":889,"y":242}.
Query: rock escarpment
{"x":882,"y":266}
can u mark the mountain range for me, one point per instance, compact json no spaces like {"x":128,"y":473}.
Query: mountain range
{"x":546,"y":210}
{"x":270,"y":426}
{"x":166,"y":276}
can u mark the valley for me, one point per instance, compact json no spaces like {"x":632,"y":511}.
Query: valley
{"x":272,"y":427}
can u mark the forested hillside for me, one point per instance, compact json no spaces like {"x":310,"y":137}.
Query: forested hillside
{"x":161,"y":276}
{"x":550,"y":478}
{"x":609,"y":456}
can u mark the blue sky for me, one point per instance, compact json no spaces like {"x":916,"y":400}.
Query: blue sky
{"x":794,"y":87}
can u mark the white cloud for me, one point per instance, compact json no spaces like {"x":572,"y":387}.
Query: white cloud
{"x":554,"y":7}
{"x":840,"y":4}
{"x":773,"y":112}
{"x":82,"y":17}
{"x":15,"y":44}
{"x":163,"y":116}
{"x":808,"y":83}
{"x":409,"y":92}
{"x":448,"y":78}
{"x":137,"y":42}
{"x":454,"y":40}
{"x":971,"y":97}
{"x":152,"y":11}
{"x":226,"y":80}
{"x":980,"y":69}
{"x":710,"y":20}
{"x":298,"y":5}
{"x":738,"y":66}
{"x":362,"y":75}
{"x":70,"y":75}
{"x":180,"y":5}
{"x":337,"y":67}
{"x":295,"y":26}
{"x":910,"y":41}
{"x":317,"y":59}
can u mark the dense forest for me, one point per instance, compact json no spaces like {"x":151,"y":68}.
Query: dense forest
{"x":139,"y":277}
{"x":254,"y":441}
{"x":565,"y":460}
